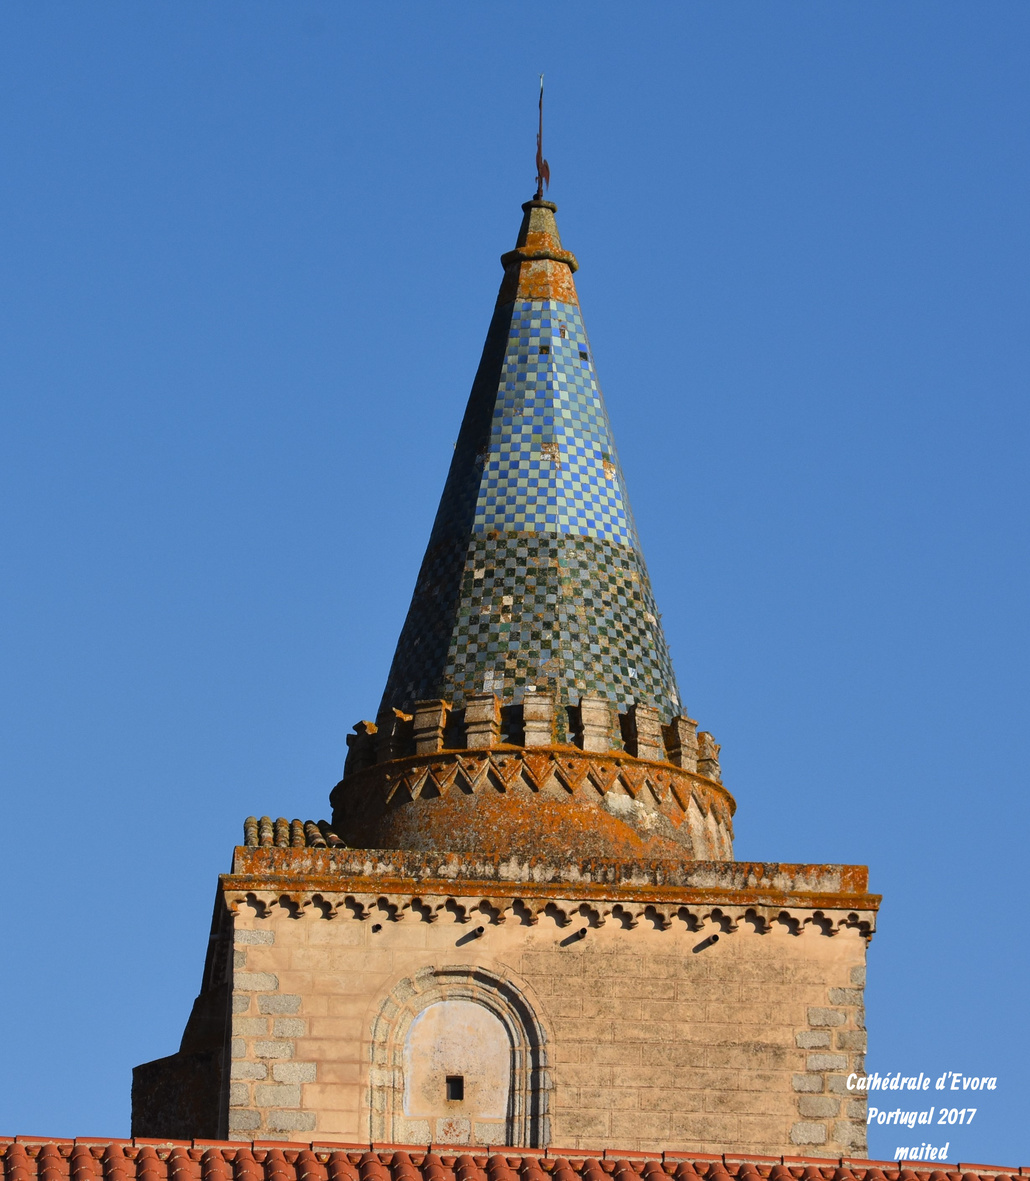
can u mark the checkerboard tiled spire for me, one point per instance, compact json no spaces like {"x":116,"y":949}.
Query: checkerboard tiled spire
{"x":534,"y":576}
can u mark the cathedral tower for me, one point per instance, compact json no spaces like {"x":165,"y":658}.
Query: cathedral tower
{"x":523,"y":925}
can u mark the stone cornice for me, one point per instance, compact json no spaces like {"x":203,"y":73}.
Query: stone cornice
{"x":699,"y":888}
{"x":397,"y":901}
{"x":456,"y":869}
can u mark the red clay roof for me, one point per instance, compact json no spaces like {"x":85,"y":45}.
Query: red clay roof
{"x":29,"y":1158}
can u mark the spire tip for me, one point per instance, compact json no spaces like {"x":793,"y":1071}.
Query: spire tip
{"x":543,"y":170}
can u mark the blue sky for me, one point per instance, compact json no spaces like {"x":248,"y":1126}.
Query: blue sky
{"x":250,"y":252}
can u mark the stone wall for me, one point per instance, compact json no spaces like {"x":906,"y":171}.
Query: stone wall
{"x":632,"y":1025}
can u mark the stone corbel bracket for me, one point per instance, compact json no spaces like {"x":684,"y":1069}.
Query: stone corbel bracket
{"x":660,"y":914}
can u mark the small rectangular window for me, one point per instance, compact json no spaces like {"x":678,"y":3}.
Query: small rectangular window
{"x":455,"y":1087}
{"x":545,"y":348}
{"x":583,"y":355}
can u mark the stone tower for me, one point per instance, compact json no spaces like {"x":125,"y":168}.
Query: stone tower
{"x":523,"y":925}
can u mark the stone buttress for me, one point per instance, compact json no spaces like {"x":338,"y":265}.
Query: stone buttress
{"x":523,"y":925}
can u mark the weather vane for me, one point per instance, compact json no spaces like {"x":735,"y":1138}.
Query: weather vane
{"x":543,"y":171}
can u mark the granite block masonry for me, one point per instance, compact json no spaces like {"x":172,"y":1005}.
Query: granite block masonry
{"x":523,"y":924}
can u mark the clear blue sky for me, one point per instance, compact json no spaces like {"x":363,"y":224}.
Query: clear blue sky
{"x":249,"y":254}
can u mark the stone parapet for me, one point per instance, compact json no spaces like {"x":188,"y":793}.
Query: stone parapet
{"x":726,"y":883}
{"x":484,"y":722}
{"x":536,"y":777}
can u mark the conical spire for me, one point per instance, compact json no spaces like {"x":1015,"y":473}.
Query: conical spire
{"x":534,"y":579}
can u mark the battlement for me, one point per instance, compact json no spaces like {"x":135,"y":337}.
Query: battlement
{"x":593,"y":725}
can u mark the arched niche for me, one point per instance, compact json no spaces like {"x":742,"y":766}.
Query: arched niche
{"x":451,"y":1030}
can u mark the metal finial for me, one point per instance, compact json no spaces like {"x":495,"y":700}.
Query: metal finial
{"x":543,"y":170}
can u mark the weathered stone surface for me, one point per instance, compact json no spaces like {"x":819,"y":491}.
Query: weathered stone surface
{"x":812,"y":1039}
{"x":607,"y":976}
{"x":257,"y":981}
{"x":852,"y":1039}
{"x":850,"y":1132}
{"x":249,"y":1026}
{"x":482,"y":722}
{"x":289,"y":1027}
{"x":244,"y":937}
{"x":249,"y":1070}
{"x":279,"y":1003}
{"x":295,"y":1072}
{"x":808,"y":1133}
{"x":269,"y":1049}
{"x":536,"y":802}
{"x":291,"y":1121}
{"x":538,"y":719}
{"x":845,"y":996}
{"x":819,"y":1016}
{"x":276,"y":1095}
{"x":244,"y":1121}
{"x":429,"y":724}
{"x":818,"y":1106}
{"x":827,"y":1062}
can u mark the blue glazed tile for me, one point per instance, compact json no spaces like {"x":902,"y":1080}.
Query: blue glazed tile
{"x":533,"y":572}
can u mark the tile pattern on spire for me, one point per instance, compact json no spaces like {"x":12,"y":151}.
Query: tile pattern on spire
{"x":534,"y":576}
{"x":551,"y":463}
{"x":567,"y":613}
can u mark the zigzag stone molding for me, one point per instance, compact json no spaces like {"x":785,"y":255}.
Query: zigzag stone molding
{"x":612,"y":804}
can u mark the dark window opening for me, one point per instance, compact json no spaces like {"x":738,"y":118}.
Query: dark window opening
{"x":545,"y":348}
{"x":455,"y":1087}
{"x":583,"y":355}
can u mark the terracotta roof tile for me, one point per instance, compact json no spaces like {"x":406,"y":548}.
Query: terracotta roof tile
{"x":264,"y":833}
{"x":88,"y":1159}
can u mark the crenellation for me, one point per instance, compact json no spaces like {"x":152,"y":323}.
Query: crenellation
{"x":595,"y":726}
{"x":393,"y":735}
{"x":708,"y":757}
{"x":538,"y":718}
{"x":482,"y":722}
{"x":361,"y":750}
{"x":680,"y":738}
{"x":642,"y":732}
{"x":429,"y":725}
